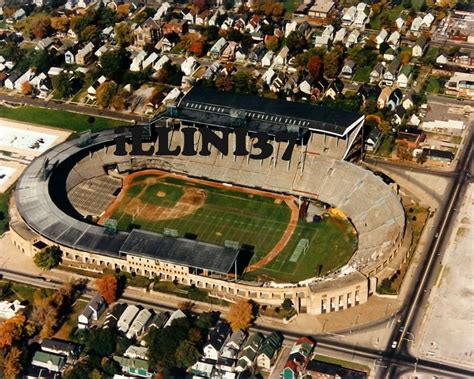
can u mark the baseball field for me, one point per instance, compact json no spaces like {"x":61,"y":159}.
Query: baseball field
{"x":264,"y":222}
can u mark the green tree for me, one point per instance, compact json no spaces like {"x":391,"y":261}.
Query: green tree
{"x":115,"y":64}
{"x":100,"y":342}
{"x":186,"y":354}
{"x":89,"y":33}
{"x":62,"y":85}
{"x":296,"y":42}
{"x":48,"y":258}
{"x":287,"y":304}
{"x":332,"y":62}
{"x":244,"y":83}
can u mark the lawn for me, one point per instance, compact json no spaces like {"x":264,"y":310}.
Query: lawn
{"x":363,"y":74}
{"x":331,"y":244}
{"x":222,"y":214}
{"x":58,"y":118}
{"x":433,"y":85}
{"x":291,"y":5}
{"x":22,"y":292}
{"x":257,"y":221}
{"x":386,"y":146}
{"x":4,"y":197}
{"x":71,"y":321}
{"x":392,"y":15}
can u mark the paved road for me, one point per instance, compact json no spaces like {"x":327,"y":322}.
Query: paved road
{"x":93,"y":111}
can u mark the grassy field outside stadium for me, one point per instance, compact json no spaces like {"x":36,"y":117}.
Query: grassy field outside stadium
{"x":215,"y":214}
{"x":58,"y":118}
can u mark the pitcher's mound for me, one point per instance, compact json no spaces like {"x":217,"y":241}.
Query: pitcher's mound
{"x":161,"y":194}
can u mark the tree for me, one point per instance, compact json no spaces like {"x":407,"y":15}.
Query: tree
{"x":48,"y":257}
{"x":12,"y":363}
{"x":314,"y":66}
{"x":60,"y":24}
{"x":404,"y":153}
{"x":197,"y":48}
{"x":406,"y":57}
{"x":40,"y":25}
{"x":107,"y":287}
{"x":296,"y":42}
{"x":26,"y":88}
{"x":332,"y":62}
{"x":271,"y":43}
{"x":89,"y":33}
{"x":240,"y":315}
{"x":62,"y":85}
{"x":206,"y":320}
{"x":12,"y":330}
{"x":115,"y":63}
{"x":287,"y":304}
{"x":224,"y":83}
{"x":243,"y":83}
{"x":100,"y":342}
{"x":123,"y":10}
{"x":186,"y":354}
{"x":123,"y":34}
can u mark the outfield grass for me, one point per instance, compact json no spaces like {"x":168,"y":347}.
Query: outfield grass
{"x":331,"y":244}
{"x":226,"y":214}
{"x":58,"y":118}
{"x":253,"y":220}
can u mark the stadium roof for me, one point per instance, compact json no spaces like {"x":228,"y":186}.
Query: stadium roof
{"x":202,"y":104}
{"x":180,"y":251}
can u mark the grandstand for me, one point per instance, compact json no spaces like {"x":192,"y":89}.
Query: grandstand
{"x":315,"y":171}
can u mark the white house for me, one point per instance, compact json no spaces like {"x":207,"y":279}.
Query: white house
{"x":91,"y":91}
{"x":420,"y":47}
{"x":404,"y":76}
{"x":361,"y":19}
{"x":268,"y":76}
{"x":136,"y":64}
{"x":442,"y":59}
{"x":139,"y":323}
{"x":427,"y":20}
{"x":268,"y":59}
{"x":353,"y":38}
{"x":127,"y":317}
{"x":340,"y":35}
{"x":100,"y":51}
{"x":381,"y":37}
{"x":282,"y":56}
{"x":189,"y":65}
{"x":217,"y":49}
{"x":162,"y":10}
{"x":160,"y":63}
{"x":26,"y":77}
{"x":400,"y":22}
{"x":348,"y":69}
{"x":394,"y":40}
{"x":416,"y":25}
{"x":9,"y":309}
{"x":91,"y":311}
{"x":325,"y":37}
{"x":217,"y":339}
{"x":349,"y":16}
{"x":290,"y":27}
{"x":149,"y":60}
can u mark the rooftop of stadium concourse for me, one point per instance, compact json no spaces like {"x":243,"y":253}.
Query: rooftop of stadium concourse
{"x":180,"y":251}
{"x":206,"y":105}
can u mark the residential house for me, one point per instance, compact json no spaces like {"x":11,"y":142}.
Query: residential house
{"x":461,"y":84}
{"x":368,"y":92}
{"x":70,"y":54}
{"x":217,"y":338}
{"x":50,"y":361}
{"x":228,"y":55}
{"x":320,"y":87}
{"x":202,"y":369}
{"x":427,"y":21}
{"x":394,"y":40}
{"x":383,"y":97}
{"x":268,"y":351}
{"x":44,"y":44}
{"x":189,"y":65}
{"x":218,"y":47}
{"x":298,"y":358}
{"x":353,"y":38}
{"x":127,"y":317}
{"x":278,"y":82}
{"x":268,"y":59}
{"x":340,"y":35}
{"x":326,"y":37}
{"x":290,"y":27}
{"x":137,"y":61}
{"x":390,"y":55}
{"x":166,"y":44}
{"x":134,"y":352}
{"x":348,"y":69}
{"x":148,"y":33}
{"x":113,"y":316}
{"x":240,"y":54}
{"x":160,"y":63}
{"x":61,"y":347}
{"x":321,"y":9}
{"x":404,"y":76}
{"x":442,"y":59}
{"x":26,"y":77}
{"x":395,"y":99}
{"x":398,"y":116}
{"x":134,"y":366}
{"x":306,"y":87}
{"x":9,"y":309}
{"x":414,"y":120}
{"x":400,"y":23}
{"x":282,"y":57}
{"x":407,"y":102}
{"x":349,"y":16}
{"x":162,"y":11}
{"x":101,"y":50}
{"x":435,"y":155}
{"x":212,"y":70}
{"x":179,"y":27}
{"x":362,"y":16}
{"x":95,"y":306}
{"x":381,"y":37}
{"x":410,"y":137}
{"x":149,"y":60}
{"x":139,"y":323}
{"x":377,"y":73}
{"x":42,"y":85}
{"x":248,"y":352}
{"x":390,"y":74}
{"x":464,"y":58}
{"x":233,"y":344}
{"x":416,"y":25}
{"x":257,"y":53}
{"x":159,"y":320}
{"x":9,"y":82}
{"x":84,"y":55}
{"x":373,"y":139}
{"x":176,"y":315}
{"x":420,"y":47}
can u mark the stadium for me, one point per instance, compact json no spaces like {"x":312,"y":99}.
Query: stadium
{"x":262,"y":229}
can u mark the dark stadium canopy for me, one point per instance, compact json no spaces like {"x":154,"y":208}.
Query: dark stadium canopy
{"x":180,"y":251}
{"x":218,"y":108}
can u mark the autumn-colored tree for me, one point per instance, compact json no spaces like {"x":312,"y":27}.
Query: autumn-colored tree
{"x":26,"y":88}
{"x":11,"y":330}
{"x":195,"y":334}
{"x":448,"y":3}
{"x":118,"y":100}
{"x":404,"y":153}
{"x":332,"y":62}
{"x":46,"y":312}
{"x":40,"y":25}
{"x":12,"y":363}
{"x":314,"y":66}
{"x":123,"y":10}
{"x":8,"y":11}
{"x":89,"y":33}
{"x":123,"y":33}
{"x":107,"y":287}
{"x":406,"y":57}
{"x":200,"y":5}
{"x":197,"y":48}
{"x":271,"y":43}
{"x":224,"y":83}
{"x":105,"y":93}
{"x":240,"y":315}
{"x":60,"y":24}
